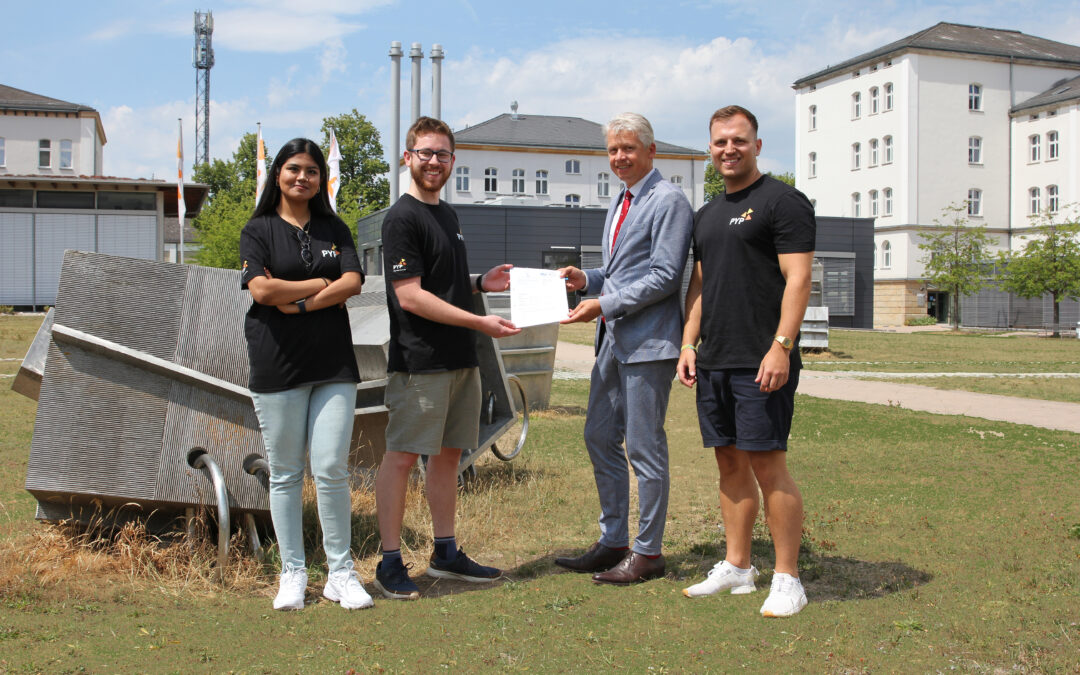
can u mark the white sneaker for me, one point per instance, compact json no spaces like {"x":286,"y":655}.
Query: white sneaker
{"x":344,"y":586}
{"x":291,"y":589}
{"x":786,"y":597}
{"x":723,"y":576}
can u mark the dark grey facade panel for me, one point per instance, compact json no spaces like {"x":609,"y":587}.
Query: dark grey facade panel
{"x":521,"y":234}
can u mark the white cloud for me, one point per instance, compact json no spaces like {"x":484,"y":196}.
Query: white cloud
{"x":333,"y":58}
{"x":142,"y":141}
{"x":676,"y":87}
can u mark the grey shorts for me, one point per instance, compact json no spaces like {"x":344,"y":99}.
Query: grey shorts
{"x":431,"y":411}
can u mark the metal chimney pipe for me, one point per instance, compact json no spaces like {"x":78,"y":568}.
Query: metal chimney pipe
{"x":436,"y":80}
{"x":395,"y":119}
{"x":417,"y":56}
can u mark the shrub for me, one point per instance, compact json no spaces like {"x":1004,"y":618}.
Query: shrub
{"x":921,"y":321}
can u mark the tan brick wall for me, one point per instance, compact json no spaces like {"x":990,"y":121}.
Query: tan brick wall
{"x":896,"y":301}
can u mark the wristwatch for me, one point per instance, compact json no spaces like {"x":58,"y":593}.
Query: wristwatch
{"x":785,"y":342}
{"x":301,"y":304}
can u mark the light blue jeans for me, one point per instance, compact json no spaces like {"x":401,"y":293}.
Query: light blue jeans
{"x":319,"y":417}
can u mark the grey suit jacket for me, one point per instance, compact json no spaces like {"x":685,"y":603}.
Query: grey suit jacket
{"x":640,"y":279}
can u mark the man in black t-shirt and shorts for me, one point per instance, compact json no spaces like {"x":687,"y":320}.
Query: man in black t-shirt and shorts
{"x":433,"y":393}
{"x":753,"y":248}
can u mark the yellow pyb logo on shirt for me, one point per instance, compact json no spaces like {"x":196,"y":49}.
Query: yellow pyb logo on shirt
{"x":746,"y":215}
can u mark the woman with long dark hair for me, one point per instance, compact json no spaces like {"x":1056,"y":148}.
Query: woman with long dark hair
{"x":300,"y":264}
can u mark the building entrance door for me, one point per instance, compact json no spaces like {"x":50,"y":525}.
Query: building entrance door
{"x":937,"y":305}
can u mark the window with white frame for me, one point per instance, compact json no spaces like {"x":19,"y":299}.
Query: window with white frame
{"x":886,"y":255}
{"x":65,"y":154}
{"x":3,"y":153}
{"x":603,"y":184}
{"x":874,"y":100}
{"x":811,"y":167}
{"x":1052,"y":151}
{"x":856,"y":156}
{"x":517,"y":181}
{"x":1053,"y":201}
{"x":875,"y":256}
{"x":573,"y":166}
{"x":856,"y":205}
{"x":974,"y":202}
{"x":888,"y":96}
{"x":856,"y":105}
{"x":872,"y":197}
{"x":887,"y":142}
{"x":887,"y":206}
{"x":573,"y":201}
{"x":1034,"y":201}
{"x":873,"y":152}
{"x":813,"y":117}
{"x":461,"y":179}
{"x":542,"y":182}
{"x":974,"y":150}
{"x":1034,"y":148}
{"x":44,"y":153}
{"x":676,"y":180}
{"x":974,"y":96}
{"x":491,"y":179}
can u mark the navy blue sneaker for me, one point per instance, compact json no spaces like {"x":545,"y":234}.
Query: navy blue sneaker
{"x":394,"y":582}
{"x":463,"y":568}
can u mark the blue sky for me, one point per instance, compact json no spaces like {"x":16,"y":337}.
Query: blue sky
{"x":289,"y":64}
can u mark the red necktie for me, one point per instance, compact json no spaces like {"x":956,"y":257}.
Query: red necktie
{"x":622,"y":217}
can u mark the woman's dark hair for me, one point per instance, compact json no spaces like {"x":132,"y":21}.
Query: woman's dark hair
{"x":319,"y":203}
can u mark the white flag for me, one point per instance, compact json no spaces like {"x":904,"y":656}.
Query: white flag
{"x":260,"y":167}
{"x":181,"y":206}
{"x":333,"y":181}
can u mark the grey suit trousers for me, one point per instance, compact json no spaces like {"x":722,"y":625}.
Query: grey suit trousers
{"x":628,"y":401}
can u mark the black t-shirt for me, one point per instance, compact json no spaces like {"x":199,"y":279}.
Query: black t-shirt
{"x":422,"y":240}
{"x":291,"y":350}
{"x":737,"y":237}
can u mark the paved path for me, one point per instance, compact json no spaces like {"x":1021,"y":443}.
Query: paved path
{"x":575,"y":361}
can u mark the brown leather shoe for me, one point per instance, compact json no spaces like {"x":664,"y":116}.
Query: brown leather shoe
{"x":633,"y":569}
{"x":597,"y":558}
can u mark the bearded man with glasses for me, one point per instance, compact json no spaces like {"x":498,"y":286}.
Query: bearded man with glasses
{"x":433,"y":393}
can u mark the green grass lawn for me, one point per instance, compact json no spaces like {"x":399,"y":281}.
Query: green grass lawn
{"x":1041,"y":388}
{"x":945,"y":352}
{"x":578,"y":333}
{"x":933,"y":543}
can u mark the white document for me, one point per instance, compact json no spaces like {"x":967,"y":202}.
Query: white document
{"x":537,"y":297}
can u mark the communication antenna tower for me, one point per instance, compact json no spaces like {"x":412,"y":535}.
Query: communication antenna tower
{"x":202,"y":57}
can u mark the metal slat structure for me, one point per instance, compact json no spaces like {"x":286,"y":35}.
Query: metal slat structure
{"x":142,"y":369}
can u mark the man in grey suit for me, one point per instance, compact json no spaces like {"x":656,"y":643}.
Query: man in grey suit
{"x":646,"y":239}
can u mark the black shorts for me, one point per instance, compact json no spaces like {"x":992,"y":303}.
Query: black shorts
{"x":732,"y":410}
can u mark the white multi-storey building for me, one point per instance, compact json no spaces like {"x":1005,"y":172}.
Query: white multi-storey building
{"x":49,"y":137}
{"x":548,"y":160}
{"x":54,"y":197}
{"x":938,"y":118}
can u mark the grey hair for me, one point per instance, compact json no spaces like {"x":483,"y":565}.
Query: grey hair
{"x":632,"y":122}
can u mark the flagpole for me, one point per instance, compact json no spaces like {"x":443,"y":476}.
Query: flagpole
{"x":181,"y":205}
{"x":260,"y":164}
{"x":334,"y":179}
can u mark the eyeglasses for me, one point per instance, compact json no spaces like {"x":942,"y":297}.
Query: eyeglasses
{"x":426,"y":154}
{"x":305,"y":248}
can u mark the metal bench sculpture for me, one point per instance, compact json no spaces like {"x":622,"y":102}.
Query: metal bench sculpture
{"x":143,"y":410}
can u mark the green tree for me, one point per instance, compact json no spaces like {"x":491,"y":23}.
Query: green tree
{"x":956,"y":256}
{"x":786,"y":177}
{"x":230,"y":204}
{"x":714,"y":181}
{"x":1049,"y":263}
{"x":364,"y":186}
